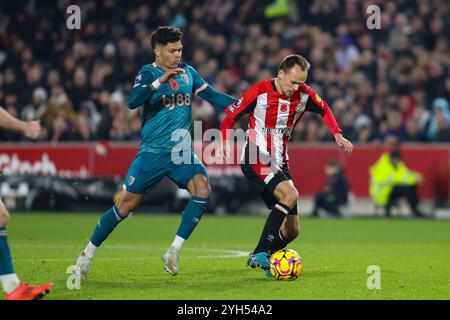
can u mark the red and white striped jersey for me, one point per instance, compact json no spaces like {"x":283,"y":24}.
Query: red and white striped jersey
{"x":272,"y":116}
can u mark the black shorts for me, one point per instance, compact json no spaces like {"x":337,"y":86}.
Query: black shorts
{"x":266,"y":179}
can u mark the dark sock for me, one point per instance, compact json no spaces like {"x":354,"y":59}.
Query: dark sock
{"x":280,"y":243}
{"x":271,"y":239}
{"x":294,"y":210}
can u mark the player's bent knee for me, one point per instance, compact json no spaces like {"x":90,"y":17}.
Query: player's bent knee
{"x":290,"y":198}
{"x":127,"y":203}
{"x":4,"y":219}
{"x":125,"y":207}
{"x":203,"y":190}
{"x":4,"y":215}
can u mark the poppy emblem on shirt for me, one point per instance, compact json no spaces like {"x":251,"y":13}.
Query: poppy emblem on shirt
{"x":174,"y":85}
{"x":283,"y":108}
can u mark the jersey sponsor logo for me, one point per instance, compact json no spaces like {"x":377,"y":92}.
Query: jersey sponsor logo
{"x":174,"y":85}
{"x":176,"y":100}
{"x":283,"y":130}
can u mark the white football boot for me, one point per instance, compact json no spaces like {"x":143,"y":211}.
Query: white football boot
{"x":83,"y":263}
{"x":170,"y":259}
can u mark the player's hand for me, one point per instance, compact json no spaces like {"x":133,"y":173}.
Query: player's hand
{"x":343,"y":143}
{"x":224,"y":151}
{"x":172,"y":73}
{"x":32,"y":130}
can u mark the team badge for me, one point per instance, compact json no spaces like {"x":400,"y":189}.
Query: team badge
{"x":185,"y":78}
{"x":302,"y":105}
{"x":131,"y":180}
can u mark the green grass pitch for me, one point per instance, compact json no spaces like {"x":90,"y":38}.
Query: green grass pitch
{"x":413,"y":255}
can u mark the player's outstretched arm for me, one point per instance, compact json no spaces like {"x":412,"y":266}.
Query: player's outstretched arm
{"x":205,"y":91}
{"x":317,"y":105}
{"x":216,"y":98}
{"x":30,"y":129}
{"x":343,"y":143}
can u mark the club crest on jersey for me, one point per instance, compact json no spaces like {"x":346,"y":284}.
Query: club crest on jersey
{"x":302,"y":105}
{"x":131,"y":180}
{"x":174,"y":85}
{"x":185,"y":78}
{"x":299,"y":107}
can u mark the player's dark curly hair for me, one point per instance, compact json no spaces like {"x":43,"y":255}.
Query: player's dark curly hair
{"x":164,"y":35}
{"x":293,"y":59}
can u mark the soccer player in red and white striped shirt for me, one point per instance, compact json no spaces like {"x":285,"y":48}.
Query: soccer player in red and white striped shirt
{"x":274,"y":107}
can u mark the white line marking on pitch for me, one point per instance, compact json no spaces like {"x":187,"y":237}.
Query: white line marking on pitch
{"x":226,"y":253}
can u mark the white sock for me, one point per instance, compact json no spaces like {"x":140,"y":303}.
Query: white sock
{"x":9,"y":282}
{"x":178,"y":242}
{"x":90,"y":249}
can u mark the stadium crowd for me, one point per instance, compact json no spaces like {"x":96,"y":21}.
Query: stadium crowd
{"x":384,"y":85}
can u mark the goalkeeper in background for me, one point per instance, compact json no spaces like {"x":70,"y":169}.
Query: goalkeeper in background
{"x":164,"y":91}
{"x":12,"y":287}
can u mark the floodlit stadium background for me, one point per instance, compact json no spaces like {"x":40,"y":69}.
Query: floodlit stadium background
{"x":382,"y":85}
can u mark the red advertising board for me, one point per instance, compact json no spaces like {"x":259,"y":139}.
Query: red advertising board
{"x":306,"y":163}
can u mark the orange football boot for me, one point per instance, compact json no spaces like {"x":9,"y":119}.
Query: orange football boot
{"x":29,"y":292}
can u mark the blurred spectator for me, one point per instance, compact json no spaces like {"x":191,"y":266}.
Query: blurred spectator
{"x":335,"y":192}
{"x":413,"y":132}
{"x":346,"y":54}
{"x":443,"y":128}
{"x":440,"y":121}
{"x":36,"y":109}
{"x":391,"y":180}
{"x":390,"y":75}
